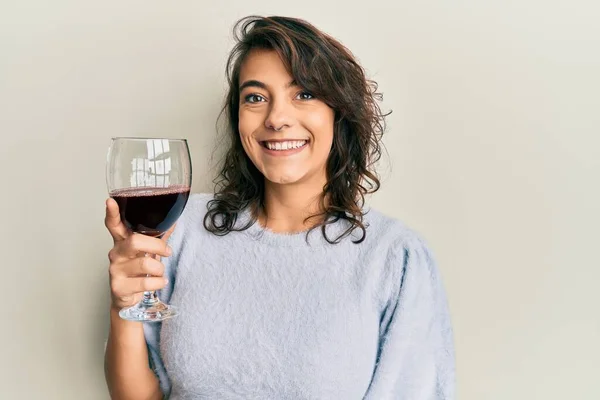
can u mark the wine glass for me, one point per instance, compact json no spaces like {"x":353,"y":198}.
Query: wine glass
{"x":150,"y":180}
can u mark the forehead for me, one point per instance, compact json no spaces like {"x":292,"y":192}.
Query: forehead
{"x":265,"y":66}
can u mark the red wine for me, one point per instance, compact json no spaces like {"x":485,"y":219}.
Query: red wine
{"x":151,"y":211}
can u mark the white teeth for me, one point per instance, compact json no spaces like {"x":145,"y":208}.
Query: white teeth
{"x":290,"y":144}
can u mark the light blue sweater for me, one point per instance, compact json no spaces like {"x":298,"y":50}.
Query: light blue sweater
{"x":267,"y":316}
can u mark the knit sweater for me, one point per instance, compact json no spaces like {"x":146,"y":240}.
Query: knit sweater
{"x":266,"y":315}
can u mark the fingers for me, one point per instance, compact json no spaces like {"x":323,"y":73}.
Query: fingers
{"x":136,"y":243}
{"x":137,"y":267}
{"x":113,"y":222}
{"x":123,"y":287}
{"x":130,"y":272}
{"x":168,"y":233}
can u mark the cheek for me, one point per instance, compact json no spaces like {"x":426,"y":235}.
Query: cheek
{"x":248,"y":124}
{"x":245,"y":124}
{"x":321,"y":126}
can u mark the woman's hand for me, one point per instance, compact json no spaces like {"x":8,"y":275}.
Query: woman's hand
{"x":128,"y":263}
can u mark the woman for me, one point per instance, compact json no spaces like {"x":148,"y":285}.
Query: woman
{"x":287,"y":286}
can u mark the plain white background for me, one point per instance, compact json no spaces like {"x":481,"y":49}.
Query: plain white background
{"x":493,"y":157}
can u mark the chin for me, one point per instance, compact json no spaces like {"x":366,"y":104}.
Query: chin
{"x":283,"y":178}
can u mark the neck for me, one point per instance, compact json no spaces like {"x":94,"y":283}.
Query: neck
{"x":287,"y":206}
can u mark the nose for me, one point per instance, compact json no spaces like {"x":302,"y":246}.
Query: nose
{"x":280,"y":116}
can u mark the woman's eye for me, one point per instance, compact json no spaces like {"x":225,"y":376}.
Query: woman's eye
{"x":254,"y":98}
{"x":305,"y":96}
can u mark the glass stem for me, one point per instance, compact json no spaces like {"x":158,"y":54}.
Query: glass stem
{"x":150,"y":298}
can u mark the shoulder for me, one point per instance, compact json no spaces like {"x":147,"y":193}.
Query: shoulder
{"x":392,"y":232}
{"x":405,"y":248}
{"x":198,"y":202}
{"x":192,"y":217}
{"x":196,"y":207}
{"x":410,"y":261}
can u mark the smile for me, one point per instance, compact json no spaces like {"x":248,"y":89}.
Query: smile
{"x":286,"y":147}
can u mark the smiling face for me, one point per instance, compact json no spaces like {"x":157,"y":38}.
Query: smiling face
{"x":285,"y":131}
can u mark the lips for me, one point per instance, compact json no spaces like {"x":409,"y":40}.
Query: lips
{"x":287,"y":147}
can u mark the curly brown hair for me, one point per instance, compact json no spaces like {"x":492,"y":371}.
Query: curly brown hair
{"x":328,"y":70}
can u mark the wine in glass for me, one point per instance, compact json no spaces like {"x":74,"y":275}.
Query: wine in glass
{"x":150,"y":180}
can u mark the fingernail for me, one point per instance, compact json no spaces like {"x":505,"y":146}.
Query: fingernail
{"x":169,"y":250}
{"x":166,"y":281}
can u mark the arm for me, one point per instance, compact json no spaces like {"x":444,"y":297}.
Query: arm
{"x":416,"y":350}
{"x":126,"y":362}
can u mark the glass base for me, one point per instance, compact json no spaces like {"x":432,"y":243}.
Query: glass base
{"x":156,"y":312}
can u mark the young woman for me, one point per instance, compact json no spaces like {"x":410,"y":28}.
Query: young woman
{"x":288,"y":287}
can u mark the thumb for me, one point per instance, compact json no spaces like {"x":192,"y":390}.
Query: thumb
{"x":113,"y":222}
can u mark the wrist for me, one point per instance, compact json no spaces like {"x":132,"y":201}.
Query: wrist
{"x":115,"y":308}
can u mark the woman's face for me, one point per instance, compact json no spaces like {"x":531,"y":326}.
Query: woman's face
{"x":284,"y":130}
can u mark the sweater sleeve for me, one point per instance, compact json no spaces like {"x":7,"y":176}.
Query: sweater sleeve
{"x":416,"y":350}
{"x":152,"y":329}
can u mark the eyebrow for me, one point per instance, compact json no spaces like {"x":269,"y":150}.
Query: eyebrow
{"x":261,"y":85}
